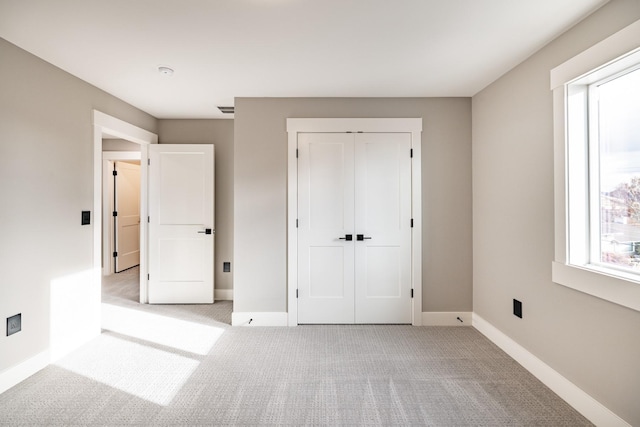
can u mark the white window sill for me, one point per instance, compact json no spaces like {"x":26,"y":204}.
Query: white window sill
{"x":610,"y":285}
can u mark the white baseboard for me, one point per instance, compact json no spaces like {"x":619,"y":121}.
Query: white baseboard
{"x":12,"y":376}
{"x":223,"y":294}
{"x":590,"y":408}
{"x":259,"y":319}
{"x":446,"y":318}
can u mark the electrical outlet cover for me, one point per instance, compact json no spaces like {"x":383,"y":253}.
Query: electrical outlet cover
{"x":517,"y":308}
{"x":14,"y":324}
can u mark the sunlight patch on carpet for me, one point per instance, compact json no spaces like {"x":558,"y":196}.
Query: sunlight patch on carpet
{"x":187,"y":336}
{"x":145,"y":372}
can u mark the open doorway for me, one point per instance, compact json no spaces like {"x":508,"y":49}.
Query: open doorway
{"x":125,"y":220}
{"x":121,"y":220}
{"x":110,"y":128}
{"x":121,"y":206}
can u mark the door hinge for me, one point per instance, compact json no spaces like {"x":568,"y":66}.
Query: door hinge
{"x":297,"y":153}
{"x":149,"y":162}
{"x":296,"y":293}
{"x":148,"y":276}
{"x":115,"y":213}
{"x":411,"y":153}
{"x":411,"y":222}
{"x":148,"y":219}
{"x":115,"y":173}
{"x":412,"y":293}
{"x":115,"y":254}
{"x":296,"y":223}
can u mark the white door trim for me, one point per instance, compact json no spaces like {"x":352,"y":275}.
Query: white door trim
{"x":409,"y":125}
{"x":105,"y":125}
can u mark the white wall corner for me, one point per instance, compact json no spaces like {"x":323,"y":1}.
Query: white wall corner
{"x":446,"y":318}
{"x":259,"y":319}
{"x":223,"y":294}
{"x":582,"y":402}
{"x":16,"y":374}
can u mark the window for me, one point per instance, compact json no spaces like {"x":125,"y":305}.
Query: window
{"x":597,"y":170}
{"x":603,"y":168}
{"x":614,"y":171}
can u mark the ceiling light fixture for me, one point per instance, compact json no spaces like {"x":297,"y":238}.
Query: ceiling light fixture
{"x":227,"y":110}
{"x":165,"y":70}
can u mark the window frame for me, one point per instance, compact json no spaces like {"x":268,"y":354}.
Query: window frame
{"x":571,"y":83}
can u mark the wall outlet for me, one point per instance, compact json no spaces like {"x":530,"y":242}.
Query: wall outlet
{"x":517,"y":308}
{"x":226,"y":267}
{"x":14,"y":324}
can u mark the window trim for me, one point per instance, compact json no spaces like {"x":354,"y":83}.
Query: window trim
{"x":593,"y":186}
{"x":570,"y":83}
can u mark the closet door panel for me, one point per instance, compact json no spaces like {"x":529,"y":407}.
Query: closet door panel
{"x":383,"y":220}
{"x":325,"y":217}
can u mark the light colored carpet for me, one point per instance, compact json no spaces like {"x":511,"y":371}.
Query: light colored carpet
{"x":184,"y":365}
{"x":123,"y":290}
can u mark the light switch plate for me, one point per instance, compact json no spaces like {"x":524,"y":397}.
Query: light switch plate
{"x":86,"y":217}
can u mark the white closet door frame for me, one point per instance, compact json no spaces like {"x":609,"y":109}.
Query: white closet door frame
{"x":295,"y":126}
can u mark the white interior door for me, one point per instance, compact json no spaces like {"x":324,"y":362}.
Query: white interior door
{"x":127,"y":218}
{"x":383,"y":228}
{"x":181,"y":223}
{"x":326,"y":215}
{"x":354,"y":228}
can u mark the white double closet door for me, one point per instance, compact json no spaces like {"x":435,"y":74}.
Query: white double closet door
{"x":354,"y":228}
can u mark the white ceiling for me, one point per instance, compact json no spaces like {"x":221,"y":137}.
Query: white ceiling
{"x":222,"y":49}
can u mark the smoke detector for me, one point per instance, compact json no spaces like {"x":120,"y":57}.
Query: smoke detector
{"x":165,"y":71}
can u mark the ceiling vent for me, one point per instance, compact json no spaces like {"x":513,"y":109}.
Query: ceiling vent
{"x":227,"y":110}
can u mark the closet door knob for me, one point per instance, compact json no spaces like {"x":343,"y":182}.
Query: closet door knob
{"x":361,"y":237}
{"x":347,"y":237}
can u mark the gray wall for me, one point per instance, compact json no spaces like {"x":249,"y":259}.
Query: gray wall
{"x":260,"y":182}
{"x":46,"y":180}
{"x":593,"y":343}
{"x":219,"y":133}
{"x":119,"y":145}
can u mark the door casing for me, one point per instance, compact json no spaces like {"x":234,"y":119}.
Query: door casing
{"x":373,"y":125}
{"x":106,"y":126}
